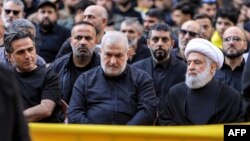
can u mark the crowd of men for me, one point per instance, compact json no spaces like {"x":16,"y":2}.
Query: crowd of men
{"x":123,"y":62}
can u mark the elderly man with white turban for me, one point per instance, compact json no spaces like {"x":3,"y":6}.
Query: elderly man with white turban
{"x":201,"y":99}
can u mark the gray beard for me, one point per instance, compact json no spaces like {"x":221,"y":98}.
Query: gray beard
{"x":195,"y":82}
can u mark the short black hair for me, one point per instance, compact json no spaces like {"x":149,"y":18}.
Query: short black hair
{"x":11,"y":37}
{"x":84,"y":23}
{"x":185,"y":7}
{"x":203,"y":16}
{"x":161,"y":27}
{"x":156,"y":13}
{"x":231,"y":13}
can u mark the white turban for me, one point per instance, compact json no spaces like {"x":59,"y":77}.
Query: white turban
{"x":206,"y":48}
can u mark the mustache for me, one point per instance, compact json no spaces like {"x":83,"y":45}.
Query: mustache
{"x":82,"y":47}
{"x":46,"y":19}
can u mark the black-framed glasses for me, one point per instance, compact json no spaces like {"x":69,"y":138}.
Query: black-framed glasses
{"x":8,"y":11}
{"x":233,"y":39}
{"x":191,"y":33}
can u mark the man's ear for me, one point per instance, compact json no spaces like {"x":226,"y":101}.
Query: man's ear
{"x":172,"y":45}
{"x":9,"y":58}
{"x":104,"y":21}
{"x":213,"y":67}
{"x":148,"y":42}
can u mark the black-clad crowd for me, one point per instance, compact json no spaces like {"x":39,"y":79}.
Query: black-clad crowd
{"x":122,"y":62}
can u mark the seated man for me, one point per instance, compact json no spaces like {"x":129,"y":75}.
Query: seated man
{"x":115,"y":92}
{"x":201,"y":99}
{"x":38,"y":86}
{"x":15,"y":26}
{"x":82,"y":58}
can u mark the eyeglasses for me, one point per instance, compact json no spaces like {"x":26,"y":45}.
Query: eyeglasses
{"x":234,"y":39}
{"x":8,"y":11}
{"x":191,"y":33}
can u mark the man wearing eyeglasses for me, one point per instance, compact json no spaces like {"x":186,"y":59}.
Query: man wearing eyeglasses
{"x":189,"y":30}
{"x":12,"y":10}
{"x":234,"y":46}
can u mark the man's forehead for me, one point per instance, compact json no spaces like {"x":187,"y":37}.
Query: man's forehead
{"x":12,"y":7}
{"x":113,"y":48}
{"x":195,"y":56}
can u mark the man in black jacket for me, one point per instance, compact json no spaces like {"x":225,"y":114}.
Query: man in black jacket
{"x":165,"y":69}
{"x":69,"y":67}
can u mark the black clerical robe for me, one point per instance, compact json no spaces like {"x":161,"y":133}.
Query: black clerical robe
{"x":214,"y":103}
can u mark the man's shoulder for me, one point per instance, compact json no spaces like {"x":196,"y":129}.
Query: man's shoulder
{"x":93,"y":72}
{"x":60,"y":62}
{"x":139,"y":74}
{"x":143,"y":63}
{"x":178,"y":88}
{"x":227,"y":90}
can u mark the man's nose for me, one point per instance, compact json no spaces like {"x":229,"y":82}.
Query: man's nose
{"x":113,"y":60}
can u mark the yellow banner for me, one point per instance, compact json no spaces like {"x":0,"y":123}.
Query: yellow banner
{"x":72,"y":132}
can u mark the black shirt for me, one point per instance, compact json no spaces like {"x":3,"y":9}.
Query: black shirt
{"x":39,"y":84}
{"x":231,"y":77}
{"x":51,"y":42}
{"x":215,"y":103}
{"x":126,"y":99}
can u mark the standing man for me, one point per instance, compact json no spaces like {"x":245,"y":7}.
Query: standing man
{"x":70,"y":66}
{"x":38,"y":86}
{"x":164,"y":68}
{"x":52,"y":35}
{"x":234,"y":46}
{"x":201,"y":99}
{"x":115,"y":92}
{"x":12,"y":10}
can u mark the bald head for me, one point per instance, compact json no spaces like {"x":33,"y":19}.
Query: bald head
{"x":235,"y":30}
{"x":98,"y":16}
{"x":98,"y":10}
{"x":192,"y":25}
{"x":234,"y":43}
{"x":189,"y":30}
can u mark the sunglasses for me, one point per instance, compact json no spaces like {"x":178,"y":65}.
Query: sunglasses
{"x":233,"y":39}
{"x":191,"y":33}
{"x":8,"y":11}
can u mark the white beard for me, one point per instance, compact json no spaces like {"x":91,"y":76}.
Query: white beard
{"x":195,"y":82}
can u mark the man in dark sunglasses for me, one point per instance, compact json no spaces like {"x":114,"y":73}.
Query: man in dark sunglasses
{"x":188,"y":31}
{"x":12,"y":10}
